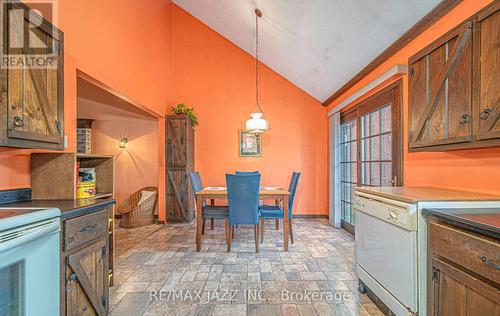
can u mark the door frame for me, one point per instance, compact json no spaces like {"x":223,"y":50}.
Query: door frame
{"x":392,"y":93}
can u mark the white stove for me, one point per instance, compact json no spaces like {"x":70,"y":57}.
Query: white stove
{"x":29,"y":261}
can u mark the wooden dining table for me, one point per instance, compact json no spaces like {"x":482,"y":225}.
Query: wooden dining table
{"x":265,"y":193}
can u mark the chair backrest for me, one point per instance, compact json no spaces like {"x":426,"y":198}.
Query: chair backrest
{"x":194,"y":178}
{"x":243,"y":198}
{"x":247,"y":172}
{"x":292,"y":188}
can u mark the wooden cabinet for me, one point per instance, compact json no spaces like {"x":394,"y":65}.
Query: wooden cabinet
{"x":85,"y":264}
{"x":60,"y":168}
{"x":49,"y":168}
{"x":463,"y":278}
{"x":454,"y":87}
{"x":487,"y":73}
{"x":179,"y":161}
{"x":31,"y":103}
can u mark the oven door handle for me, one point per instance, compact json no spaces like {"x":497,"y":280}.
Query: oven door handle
{"x":27,"y":234}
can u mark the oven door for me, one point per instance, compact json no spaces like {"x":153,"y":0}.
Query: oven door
{"x":29,"y":269}
{"x":388,"y":253}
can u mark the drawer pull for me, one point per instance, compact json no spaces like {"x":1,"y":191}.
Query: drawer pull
{"x":485,"y":114}
{"x":490,"y":263}
{"x":89,"y":228}
{"x":464,"y":119}
{"x":18,"y":122}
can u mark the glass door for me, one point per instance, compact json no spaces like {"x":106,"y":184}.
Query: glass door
{"x":376,"y":148}
{"x":349,"y":168}
{"x":371,"y":147}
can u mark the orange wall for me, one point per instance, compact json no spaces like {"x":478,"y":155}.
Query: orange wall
{"x":125,"y":44}
{"x":475,"y":169}
{"x":136,"y":166}
{"x":218,"y":79}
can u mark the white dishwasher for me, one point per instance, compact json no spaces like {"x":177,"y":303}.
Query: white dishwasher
{"x":386,"y":251}
{"x":391,"y":240}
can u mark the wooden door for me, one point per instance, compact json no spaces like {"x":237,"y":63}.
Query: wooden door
{"x":33,"y":101}
{"x":487,"y":73}
{"x":179,"y":160}
{"x":440,"y":96}
{"x":180,"y":197}
{"x":87,"y":280}
{"x":455,"y":292}
{"x":176,"y":151}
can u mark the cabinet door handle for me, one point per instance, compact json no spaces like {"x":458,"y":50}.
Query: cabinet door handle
{"x":89,"y":228}
{"x":464,"y":119}
{"x":18,"y":122}
{"x":485,"y":114}
{"x":490,"y":263}
{"x":73,"y":277}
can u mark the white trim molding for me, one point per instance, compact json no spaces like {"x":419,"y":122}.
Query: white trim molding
{"x":396,"y":70}
{"x":334,"y":177}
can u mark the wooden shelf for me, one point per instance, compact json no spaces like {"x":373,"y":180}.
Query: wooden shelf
{"x":91,"y":156}
{"x":99,"y":196}
{"x":54,"y":177}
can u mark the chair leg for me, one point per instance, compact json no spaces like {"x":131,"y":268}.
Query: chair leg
{"x":277,"y":224}
{"x":256,"y":231}
{"x":291,"y":230}
{"x":203,"y":227}
{"x":261,"y":224}
{"x":228,"y":235}
{"x":232,"y":231}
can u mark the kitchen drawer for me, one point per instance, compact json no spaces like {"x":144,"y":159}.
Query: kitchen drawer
{"x":79,"y":230}
{"x":476,"y":254}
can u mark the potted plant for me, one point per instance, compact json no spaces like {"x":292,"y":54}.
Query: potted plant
{"x":182,"y":109}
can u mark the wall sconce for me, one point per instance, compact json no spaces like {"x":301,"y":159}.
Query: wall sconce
{"x":123,"y":142}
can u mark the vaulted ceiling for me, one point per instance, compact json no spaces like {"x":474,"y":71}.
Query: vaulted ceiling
{"x":316,"y":44}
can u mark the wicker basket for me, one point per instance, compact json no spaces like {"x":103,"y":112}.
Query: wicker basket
{"x":136,"y":215}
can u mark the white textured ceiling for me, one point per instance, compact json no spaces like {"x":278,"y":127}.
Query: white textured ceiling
{"x":316,"y":44}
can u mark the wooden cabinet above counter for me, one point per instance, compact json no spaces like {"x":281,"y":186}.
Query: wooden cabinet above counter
{"x":31,"y":103}
{"x":454,"y":87}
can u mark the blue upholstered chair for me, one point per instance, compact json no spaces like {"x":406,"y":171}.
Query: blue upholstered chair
{"x":246,"y":172}
{"x":243,"y":198}
{"x":276,"y":212}
{"x":209,"y":211}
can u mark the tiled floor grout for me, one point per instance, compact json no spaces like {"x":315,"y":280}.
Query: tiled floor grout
{"x":164,"y":275}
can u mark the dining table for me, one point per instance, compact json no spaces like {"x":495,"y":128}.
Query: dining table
{"x":278,"y":194}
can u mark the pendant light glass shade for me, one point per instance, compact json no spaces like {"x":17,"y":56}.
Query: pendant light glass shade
{"x":256,"y":124}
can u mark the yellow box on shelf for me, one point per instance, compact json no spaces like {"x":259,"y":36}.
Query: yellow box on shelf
{"x":85,"y":190}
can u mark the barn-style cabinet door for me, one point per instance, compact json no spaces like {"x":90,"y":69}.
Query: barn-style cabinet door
{"x":440,"y":92}
{"x":31,"y":104}
{"x":86,"y":274}
{"x":487,"y":73}
{"x":179,"y":155}
{"x":454,"y":87}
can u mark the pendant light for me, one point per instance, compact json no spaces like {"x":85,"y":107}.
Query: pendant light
{"x":257,"y":124}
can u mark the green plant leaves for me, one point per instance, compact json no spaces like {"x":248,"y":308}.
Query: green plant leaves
{"x":181,"y":109}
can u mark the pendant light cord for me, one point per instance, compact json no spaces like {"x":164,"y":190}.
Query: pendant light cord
{"x":257,"y":15}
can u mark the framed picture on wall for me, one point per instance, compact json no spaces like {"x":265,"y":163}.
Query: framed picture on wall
{"x":250,"y":144}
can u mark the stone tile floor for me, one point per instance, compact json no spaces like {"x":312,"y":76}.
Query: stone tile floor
{"x":127,"y":238}
{"x":164,"y":275}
